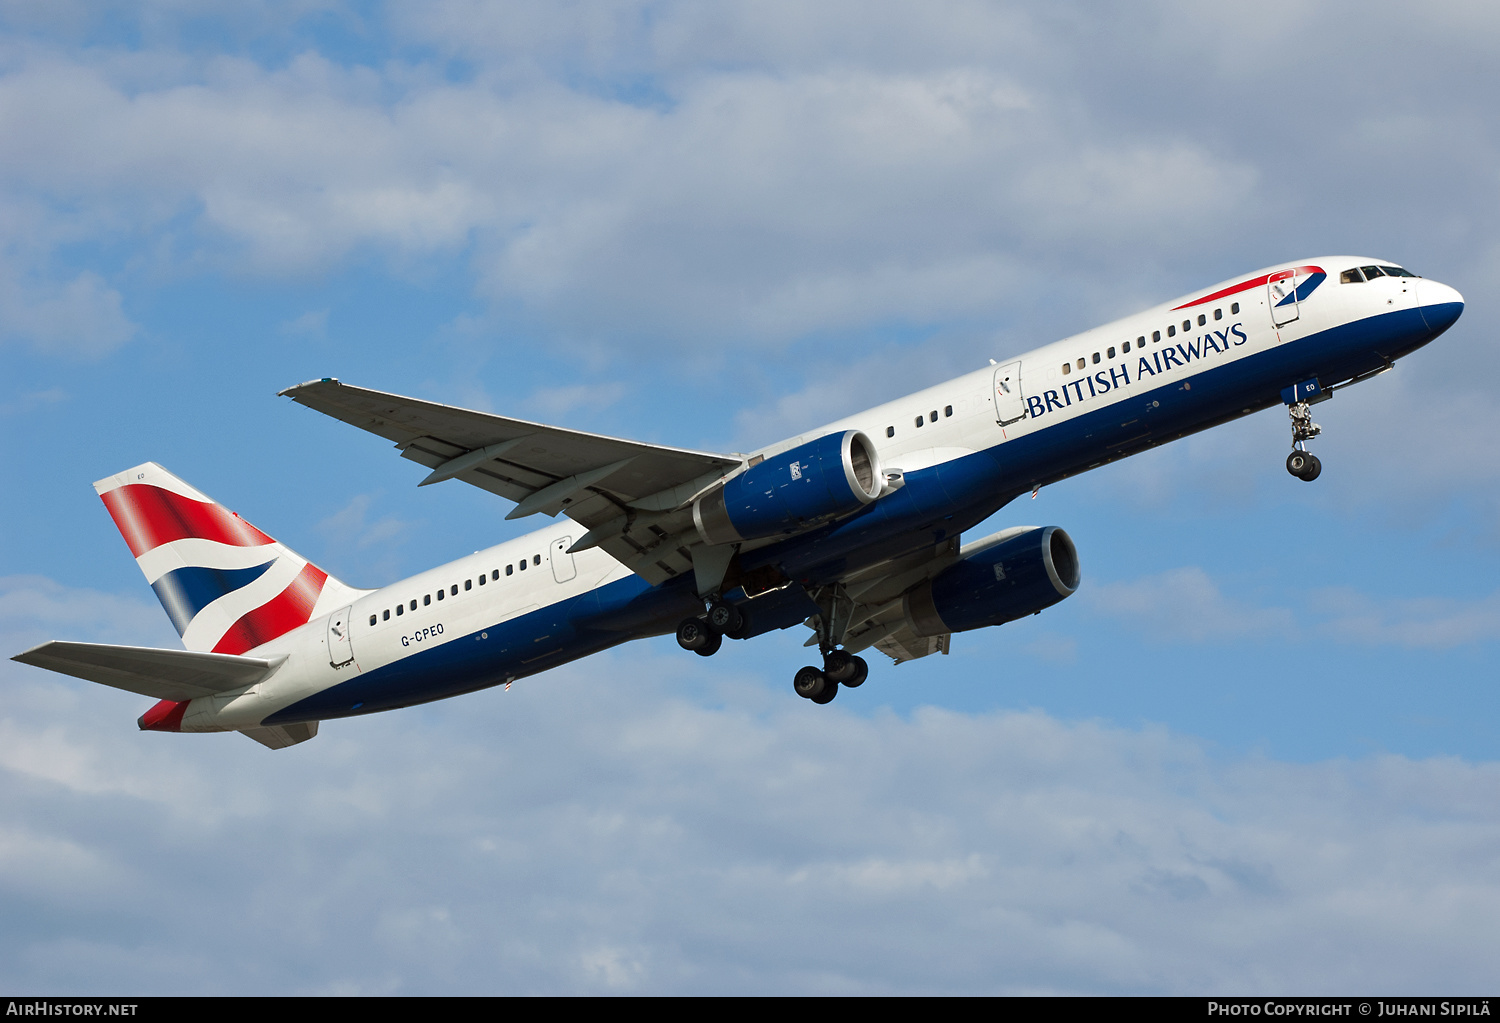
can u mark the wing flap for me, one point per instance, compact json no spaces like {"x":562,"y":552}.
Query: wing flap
{"x":159,"y":673}
{"x":906,"y":645}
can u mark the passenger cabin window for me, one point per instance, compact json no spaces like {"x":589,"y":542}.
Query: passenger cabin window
{"x":1156,"y":335}
{"x":921,"y":421}
{"x":1187,"y":326}
{"x":536,"y":559}
{"x":1171,"y":332}
{"x":495,"y":575}
{"x":469,"y":583}
{"x":1080,"y":363}
{"x":386,"y":615}
{"x":1096,"y":358}
{"x":1067,"y":368}
{"x":890,"y":431}
{"x":426,"y":600}
{"x":1125,"y":347}
{"x":1218,"y":314}
{"x":414,"y":604}
{"x":1111,"y":352}
{"x":947,"y":410}
{"x":1202,"y":319}
{"x":453,"y":590}
{"x":932,"y":416}
{"x":440,"y":594}
{"x":483,"y":579}
{"x":372,"y":619}
{"x":400,"y":610}
{"x":523,"y":564}
{"x":1234,"y":310}
{"x":510,"y":569}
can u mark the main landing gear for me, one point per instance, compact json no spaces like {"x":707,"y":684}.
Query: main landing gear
{"x":704,"y":635}
{"x":839,"y":668}
{"x":1302,"y":463}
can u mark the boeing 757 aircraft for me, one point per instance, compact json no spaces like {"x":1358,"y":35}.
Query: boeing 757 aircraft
{"x":852,"y":530}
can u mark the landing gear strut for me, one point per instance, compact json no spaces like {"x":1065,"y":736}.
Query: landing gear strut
{"x":1302,"y":463}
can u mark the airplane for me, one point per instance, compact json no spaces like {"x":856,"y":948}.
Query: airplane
{"x":853,"y":529}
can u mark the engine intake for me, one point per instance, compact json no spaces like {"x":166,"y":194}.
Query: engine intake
{"x":1015,"y":573}
{"x":806,"y":486}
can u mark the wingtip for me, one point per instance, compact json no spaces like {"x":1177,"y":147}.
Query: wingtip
{"x":290,"y":391}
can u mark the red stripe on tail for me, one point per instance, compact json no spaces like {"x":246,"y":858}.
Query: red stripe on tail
{"x":281,"y":614}
{"x":149,"y":516}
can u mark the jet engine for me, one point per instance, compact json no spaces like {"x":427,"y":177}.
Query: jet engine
{"x":1015,"y":573}
{"x":795,"y":490}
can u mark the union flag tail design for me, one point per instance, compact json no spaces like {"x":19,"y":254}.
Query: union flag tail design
{"x":227,"y":586}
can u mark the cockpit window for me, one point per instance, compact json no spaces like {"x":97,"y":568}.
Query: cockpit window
{"x":1351,"y":277}
{"x":1396,"y":271}
{"x":1372,"y":272}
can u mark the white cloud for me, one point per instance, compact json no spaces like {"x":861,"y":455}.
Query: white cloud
{"x":595,"y":830}
{"x":1185,"y":605}
{"x":78,"y":318}
{"x":34,"y":609}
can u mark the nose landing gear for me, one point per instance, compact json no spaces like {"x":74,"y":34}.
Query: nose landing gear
{"x":1302,"y":463}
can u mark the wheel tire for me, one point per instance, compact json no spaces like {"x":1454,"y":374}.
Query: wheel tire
{"x":725,"y":617}
{"x":838,"y":665}
{"x":1297,"y":463}
{"x":858,"y":676}
{"x":693,"y":634}
{"x":827,"y":695}
{"x":712,"y":646}
{"x":1314,"y":469}
{"x":810,"y":683}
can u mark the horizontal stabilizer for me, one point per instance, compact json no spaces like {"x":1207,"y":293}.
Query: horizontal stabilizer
{"x":282,"y":736}
{"x":151,"y":671}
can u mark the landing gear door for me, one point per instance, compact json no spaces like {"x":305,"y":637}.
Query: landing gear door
{"x":1010,"y":405}
{"x":1281,"y":295}
{"x":340,"y":650}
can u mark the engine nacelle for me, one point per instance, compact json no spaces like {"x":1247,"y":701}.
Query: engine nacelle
{"x":1015,"y":573}
{"x":813,"y":483}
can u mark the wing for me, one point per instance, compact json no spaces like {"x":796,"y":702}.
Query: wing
{"x":632,"y":498}
{"x":151,"y":671}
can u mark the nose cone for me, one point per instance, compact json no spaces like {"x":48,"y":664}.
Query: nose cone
{"x":1441,"y":306}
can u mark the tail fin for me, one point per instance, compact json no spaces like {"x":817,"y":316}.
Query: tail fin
{"x":227,"y":586}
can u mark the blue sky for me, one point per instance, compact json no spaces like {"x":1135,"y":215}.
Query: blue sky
{"x":1256,"y":751}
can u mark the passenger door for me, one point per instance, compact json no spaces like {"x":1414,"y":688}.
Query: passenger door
{"x":563,"y":567}
{"x":340,"y":650}
{"x":1010,"y":404}
{"x":1281,"y":295}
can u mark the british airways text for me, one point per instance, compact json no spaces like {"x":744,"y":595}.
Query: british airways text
{"x":1160,"y":360}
